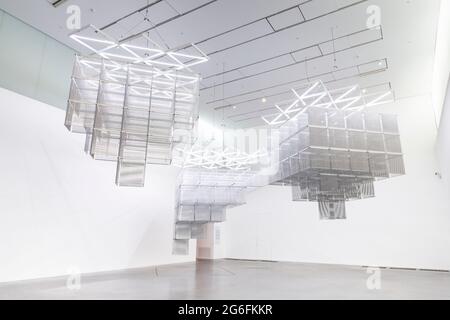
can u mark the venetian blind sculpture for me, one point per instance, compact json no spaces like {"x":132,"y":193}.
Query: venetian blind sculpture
{"x":134,"y":114}
{"x":332,"y":154}
{"x":211,"y":181}
{"x":202,"y":197}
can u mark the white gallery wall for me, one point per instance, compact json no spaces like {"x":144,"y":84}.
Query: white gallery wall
{"x":441,"y":89}
{"x":441,"y":66}
{"x":407,"y":224}
{"x":443,"y":143}
{"x":60,"y":210}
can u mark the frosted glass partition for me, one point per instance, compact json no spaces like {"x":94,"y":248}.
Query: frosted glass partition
{"x":34,"y":64}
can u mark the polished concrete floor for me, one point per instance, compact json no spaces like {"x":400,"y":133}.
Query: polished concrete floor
{"x":232,"y":279}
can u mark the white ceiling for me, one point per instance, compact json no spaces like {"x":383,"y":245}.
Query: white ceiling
{"x":258,"y":47}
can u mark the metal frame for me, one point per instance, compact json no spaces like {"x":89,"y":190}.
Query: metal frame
{"x":132,"y":114}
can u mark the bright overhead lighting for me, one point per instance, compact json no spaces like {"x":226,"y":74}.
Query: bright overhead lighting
{"x":263,"y":100}
{"x":131,"y":115}
{"x":209,"y":158}
{"x":318,"y":95}
{"x":107,"y":47}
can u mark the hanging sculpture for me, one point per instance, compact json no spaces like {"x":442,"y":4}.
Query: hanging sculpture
{"x":211,"y":181}
{"x":137,"y":104}
{"x":132,"y":113}
{"x":332,"y":150}
{"x":202,"y":197}
{"x":135,"y":101}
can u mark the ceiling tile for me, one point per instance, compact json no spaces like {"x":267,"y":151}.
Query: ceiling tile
{"x":235,"y":37}
{"x":305,"y":54}
{"x":286,"y":18}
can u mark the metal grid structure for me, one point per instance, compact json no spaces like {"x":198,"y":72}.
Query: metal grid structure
{"x":202,"y":197}
{"x":332,"y":155}
{"x":331,"y":149}
{"x":199,"y":156}
{"x":132,"y":114}
{"x":139,"y":50}
{"x":318,"y":95}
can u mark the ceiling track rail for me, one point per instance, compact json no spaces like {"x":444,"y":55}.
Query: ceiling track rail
{"x":293,"y":82}
{"x":134,"y":36}
{"x":276,"y":31}
{"x":292,"y":64}
{"x":296,"y":51}
{"x":279,"y":30}
{"x":130,"y":14}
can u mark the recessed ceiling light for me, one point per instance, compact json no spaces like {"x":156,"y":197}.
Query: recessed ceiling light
{"x":264,"y":100}
{"x":234,"y":107}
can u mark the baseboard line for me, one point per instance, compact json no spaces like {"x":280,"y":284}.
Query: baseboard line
{"x":408,"y":269}
{"x":344,"y":265}
{"x":87,"y":275}
{"x":252,"y":260}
